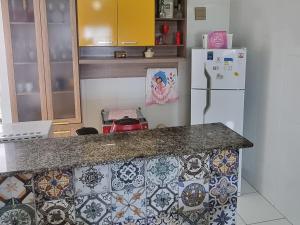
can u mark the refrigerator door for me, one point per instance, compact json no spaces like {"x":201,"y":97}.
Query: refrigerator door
{"x":198,"y":61}
{"x":225,"y":67}
{"x":198,"y":104}
{"x":227,"y":106}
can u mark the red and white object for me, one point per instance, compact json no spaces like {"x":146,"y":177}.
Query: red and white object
{"x":116,"y":121}
{"x":218,"y":88}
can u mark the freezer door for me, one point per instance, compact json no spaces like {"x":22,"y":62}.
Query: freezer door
{"x":198,"y":103}
{"x":227,"y":107}
{"x":226,"y":68}
{"x":198,"y":61}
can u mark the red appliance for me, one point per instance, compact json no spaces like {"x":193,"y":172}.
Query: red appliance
{"x":125,"y":124}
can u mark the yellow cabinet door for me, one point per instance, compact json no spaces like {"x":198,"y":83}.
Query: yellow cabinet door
{"x":136,"y":22}
{"x":97,"y":22}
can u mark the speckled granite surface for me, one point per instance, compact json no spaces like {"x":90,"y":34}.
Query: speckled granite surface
{"x":39,"y":155}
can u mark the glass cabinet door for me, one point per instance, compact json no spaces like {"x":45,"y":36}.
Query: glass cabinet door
{"x":24,"y":58}
{"x":58,"y":18}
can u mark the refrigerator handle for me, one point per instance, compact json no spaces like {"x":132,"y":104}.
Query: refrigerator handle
{"x":208,"y":90}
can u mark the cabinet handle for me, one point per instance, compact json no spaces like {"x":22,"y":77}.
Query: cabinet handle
{"x":62,"y":132}
{"x":104,"y":42}
{"x":61,"y":123}
{"x":128,"y":42}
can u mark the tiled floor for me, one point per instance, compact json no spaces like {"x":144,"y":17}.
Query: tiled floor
{"x":254,"y":209}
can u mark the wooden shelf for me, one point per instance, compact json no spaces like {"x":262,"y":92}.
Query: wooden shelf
{"x":98,"y":68}
{"x":169,"y":19}
{"x":22,"y":23}
{"x":62,"y":92}
{"x":129,"y":60}
{"x":27,"y":93}
{"x":60,"y":62}
{"x":25,"y":63}
{"x":59,"y":23}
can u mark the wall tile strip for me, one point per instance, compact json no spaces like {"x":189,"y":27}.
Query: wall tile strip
{"x":187,"y":190}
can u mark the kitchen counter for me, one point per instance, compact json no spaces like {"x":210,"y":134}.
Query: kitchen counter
{"x":180,"y":175}
{"x":46,"y":154}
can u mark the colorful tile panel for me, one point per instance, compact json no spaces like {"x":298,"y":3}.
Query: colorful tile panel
{"x":54,"y":185}
{"x":16,"y":190}
{"x":162,"y":170}
{"x":162,"y":199}
{"x":188,"y":190}
{"x":92,"y":180}
{"x":193,"y":195}
{"x":129,"y":207}
{"x":57,"y":212}
{"x":223,"y":190}
{"x":93,"y":209}
{"x":23,"y":214}
{"x":128,"y":175}
{"x":194,"y":217}
{"x":224,"y":162}
{"x":223,"y":215}
{"x":163,"y":219}
{"x":193,"y":167}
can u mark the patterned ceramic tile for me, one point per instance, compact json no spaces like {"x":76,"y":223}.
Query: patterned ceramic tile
{"x":16,"y":190}
{"x":162,"y":199}
{"x":194,"y":167}
{"x":129,"y":207}
{"x":128,"y":175}
{"x":93,"y":209}
{"x":162,"y":170}
{"x":194,"y":217}
{"x":54,"y":185}
{"x":193,"y":194}
{"x":5,"y":192}
{"x":58,"y":212}
{"x":223,"y":215}
{"x":92,"y":180}
{"x":163,"y":219}
{"x":22,"y":214}
{"x":223,"y":190}
{"x":130,"y":221}
{"x":224,"y":163}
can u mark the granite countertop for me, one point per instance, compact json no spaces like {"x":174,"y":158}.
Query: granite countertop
{"x":46,"y":154}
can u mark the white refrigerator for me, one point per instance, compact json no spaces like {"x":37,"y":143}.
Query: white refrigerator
{"x":218,"y":88}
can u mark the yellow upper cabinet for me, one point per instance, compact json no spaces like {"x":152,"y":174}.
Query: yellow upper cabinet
{"x":136,"y":22}
{"x":97,"y":22}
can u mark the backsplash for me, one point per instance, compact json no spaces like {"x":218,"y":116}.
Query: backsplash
{"x":188,"y":190}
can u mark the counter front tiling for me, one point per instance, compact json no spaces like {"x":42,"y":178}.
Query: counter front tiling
{"x":180,"y":175}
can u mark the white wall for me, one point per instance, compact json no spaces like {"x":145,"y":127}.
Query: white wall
{"x":270,"y":31}
{"x":126,"y":93}
{"x":217,"y":18}
{"x":4,"y":91}
{"x":130,"y":92}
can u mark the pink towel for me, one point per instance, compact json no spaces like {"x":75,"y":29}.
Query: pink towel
{"x":217,"y":40}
